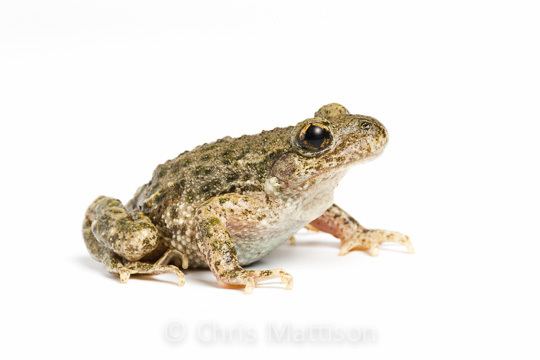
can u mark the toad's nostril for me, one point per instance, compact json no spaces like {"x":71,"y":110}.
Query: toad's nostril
{"x":382,"y":129}
{"x":384,"y":135}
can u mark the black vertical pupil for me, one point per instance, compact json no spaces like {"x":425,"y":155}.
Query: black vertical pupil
{"x":315,"y":136}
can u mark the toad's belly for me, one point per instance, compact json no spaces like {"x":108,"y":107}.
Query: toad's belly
{"x":260,"y":243}
{"x":254,"y":241}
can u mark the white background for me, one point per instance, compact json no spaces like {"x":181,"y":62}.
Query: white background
{"x":95,"y":94}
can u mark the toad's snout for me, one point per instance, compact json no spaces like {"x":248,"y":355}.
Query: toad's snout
{"x":377,"y":134}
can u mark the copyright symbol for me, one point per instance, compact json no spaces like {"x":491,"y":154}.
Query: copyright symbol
{"x":175,"y":333}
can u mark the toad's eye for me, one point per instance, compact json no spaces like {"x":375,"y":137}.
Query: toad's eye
{"x":365,"y":125}
{"x":315,"y":137}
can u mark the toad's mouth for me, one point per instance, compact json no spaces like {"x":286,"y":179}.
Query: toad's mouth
{"x":369,"y":150}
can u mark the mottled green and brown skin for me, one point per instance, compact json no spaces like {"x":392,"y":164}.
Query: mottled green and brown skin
{"x":229,"y":203}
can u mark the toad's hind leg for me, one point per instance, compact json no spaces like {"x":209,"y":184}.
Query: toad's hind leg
{"x":121,"y":239}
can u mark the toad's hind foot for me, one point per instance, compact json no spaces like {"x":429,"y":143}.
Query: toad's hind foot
{"x":125,"y":269}
{"x":121,"y":239}
{"x":371,"y":240}
{"x":134,"y":268}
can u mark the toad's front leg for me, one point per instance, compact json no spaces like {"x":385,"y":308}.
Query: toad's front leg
{"x":217,"y":245}
{"x":337,"y":222}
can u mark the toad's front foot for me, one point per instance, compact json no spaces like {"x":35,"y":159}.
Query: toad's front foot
{"x":251,"y":278}
{"x":353,"y":236}
{"x":371,"y":240}
{"x":220,"y":251}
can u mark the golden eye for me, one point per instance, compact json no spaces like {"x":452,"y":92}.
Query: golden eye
{"x":315,"y":137}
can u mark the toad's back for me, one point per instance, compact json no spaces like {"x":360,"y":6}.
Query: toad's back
{"x":229,"y":165}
